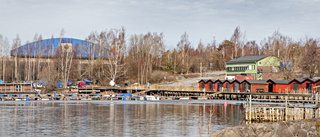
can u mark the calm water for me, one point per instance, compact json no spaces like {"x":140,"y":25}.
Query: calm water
{"x":115,"y":118}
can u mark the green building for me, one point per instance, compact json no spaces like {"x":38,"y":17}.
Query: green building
{"x":257,"y":66}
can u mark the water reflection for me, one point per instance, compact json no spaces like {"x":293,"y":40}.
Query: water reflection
{"x":117,"y":118}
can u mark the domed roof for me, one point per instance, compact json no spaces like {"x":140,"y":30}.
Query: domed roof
{"x":49,"y":48}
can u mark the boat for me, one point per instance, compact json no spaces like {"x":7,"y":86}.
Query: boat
{"x":151,"y":98}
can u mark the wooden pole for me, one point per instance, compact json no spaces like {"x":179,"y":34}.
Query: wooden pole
{"x":250,"y":98}
{"x":286,"y":108}
{"x":317,"y":106}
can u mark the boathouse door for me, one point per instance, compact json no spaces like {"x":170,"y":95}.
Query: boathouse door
{"x":308,"y":87}
{"x":219,"y":86}
{"x":296,"y":87}
{"x":270,"y":87}
{"x":228,"y":87}
{"x":236,"y":87}
{"x":210,"y":86}
{"x":246,"y":87}
{"x":202,"y":86}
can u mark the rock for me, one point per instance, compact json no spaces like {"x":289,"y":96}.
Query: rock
{"x":299,"y":128}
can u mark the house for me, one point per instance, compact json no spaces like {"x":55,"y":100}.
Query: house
{"x":258,"y":66}
{"x":226,"y":86}
{"x":255,"y":86}
{"x":209,"y":86}
{"x":304,"y":85}
{"x":280,"y":86}
{"x":219,"y":84}
{"x":202,"y":84}
{"x":300,"y":86}
{"x":236,"y":84}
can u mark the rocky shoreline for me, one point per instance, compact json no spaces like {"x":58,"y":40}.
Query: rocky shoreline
{"x":298,"y":128}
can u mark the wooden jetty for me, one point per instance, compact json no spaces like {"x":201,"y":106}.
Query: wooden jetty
{"x":274,"y":113}
{"x":260,"y":97}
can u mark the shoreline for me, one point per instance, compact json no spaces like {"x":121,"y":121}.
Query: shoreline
{"x":307,"y":127}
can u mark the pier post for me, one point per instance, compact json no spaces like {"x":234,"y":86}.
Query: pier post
{"x":250,"y":98}
{"x":316,"y":115}
{"x":286,"y":108}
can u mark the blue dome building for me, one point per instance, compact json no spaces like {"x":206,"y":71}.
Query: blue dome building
{"x":50,"y":47}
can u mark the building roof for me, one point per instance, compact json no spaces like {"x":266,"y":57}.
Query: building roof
{"x":50,"y":47}
{"x":279,"y":81}
{"x":221,"y":80}
{"x":246,"y":59}
{"x":257,"y":81}
{"x":303,"y":80}
{"x":204,"y":80}
{"x":7,"y":84}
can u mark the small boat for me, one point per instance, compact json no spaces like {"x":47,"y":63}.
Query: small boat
{"x":152,"y":98}
{"x":138,"y":98}
{"x":187,"y":98}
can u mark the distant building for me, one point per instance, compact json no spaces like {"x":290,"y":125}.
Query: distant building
{"x":258,"y":66}
{"x":50,"y":47}
{"x":15,"y":87}
{"x":297,"y":86}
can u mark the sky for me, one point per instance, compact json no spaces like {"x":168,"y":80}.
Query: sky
{"x":203,"y":20}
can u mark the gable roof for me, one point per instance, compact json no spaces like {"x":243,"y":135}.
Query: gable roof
{"x":256,"y":81}
{"x":303,"y":80}
{"x":204,"y":80}
{"x":246,"y":59}
{"x":279,"y":81}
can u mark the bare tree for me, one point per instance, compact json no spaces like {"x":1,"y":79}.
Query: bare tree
{"x":311,"y":57}
{"x":6,"y":48}
{"x":16,"y":45}
{"x":116,"y":52}
{"x":235,"y":39}
{"x":184,"y":46}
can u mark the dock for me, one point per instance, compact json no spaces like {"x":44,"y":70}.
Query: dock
{"x":290,"y":110}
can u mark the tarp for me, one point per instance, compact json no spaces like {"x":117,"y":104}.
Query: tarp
{"x":59,"y":84}
{"x":87,"y":82}
{"x":124,"y":94}
{"x":70,"y":83}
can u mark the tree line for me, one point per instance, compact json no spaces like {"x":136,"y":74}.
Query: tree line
{"x":143,"y":58}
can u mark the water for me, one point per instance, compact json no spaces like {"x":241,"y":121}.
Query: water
{"x":115,"y":118}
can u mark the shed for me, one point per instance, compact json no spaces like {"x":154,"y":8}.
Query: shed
{"x":255,"y":86}
{"x":202,"y":84}
{"x":227,"y":85}
{"x":218,"y":84}
{"x":209,"y":86}
{"x":304,"y":85}
{"x":236,"y":85}
{"x":16,"y":87}
{"x":280,"y":86}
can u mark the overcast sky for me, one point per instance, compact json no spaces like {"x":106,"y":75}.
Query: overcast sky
{"x":201,"y":19}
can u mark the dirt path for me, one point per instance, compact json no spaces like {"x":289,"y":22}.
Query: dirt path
{"x":192,"y":82}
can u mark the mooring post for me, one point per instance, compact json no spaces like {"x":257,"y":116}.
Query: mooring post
{"x":250,"y":98}
{"x":317,"y":106}
{"x":286,"y":108}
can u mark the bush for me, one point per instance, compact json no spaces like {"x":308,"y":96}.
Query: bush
{"x":158,"y":76}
